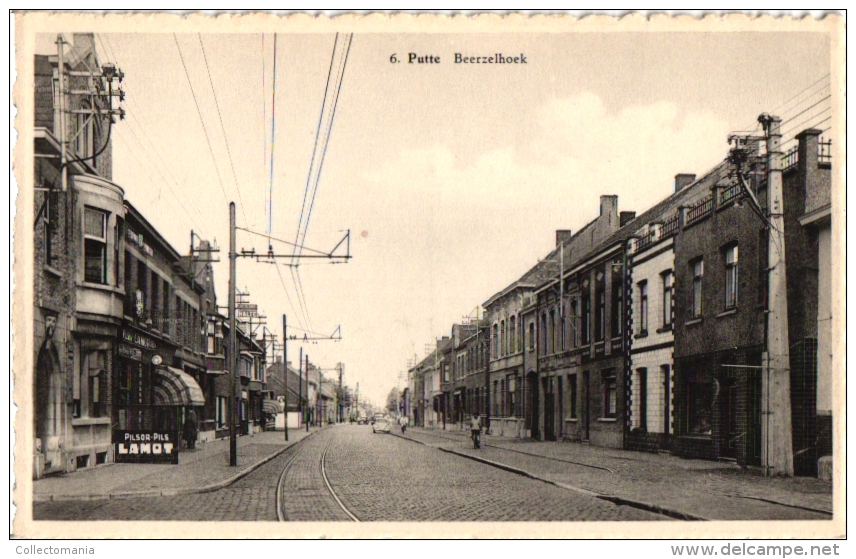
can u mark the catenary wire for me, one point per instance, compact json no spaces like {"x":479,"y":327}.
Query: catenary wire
{"x":204,"y":128}
{"x":223,"y":128}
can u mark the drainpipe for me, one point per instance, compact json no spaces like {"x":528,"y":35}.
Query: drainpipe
{"x":777,"y":441}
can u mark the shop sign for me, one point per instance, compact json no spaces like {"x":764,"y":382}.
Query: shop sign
{"x":138,"y":339}
{"x":130,"y":352}
{"x":145,"y":447}
{"x":140,"y":241}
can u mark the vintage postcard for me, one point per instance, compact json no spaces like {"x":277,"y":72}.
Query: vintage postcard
{"x":521,"y":276}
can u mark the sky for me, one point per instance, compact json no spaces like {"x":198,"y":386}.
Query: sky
{"x":452,"y":178}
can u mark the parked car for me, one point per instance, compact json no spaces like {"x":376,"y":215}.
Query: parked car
{"x":381,"y":424}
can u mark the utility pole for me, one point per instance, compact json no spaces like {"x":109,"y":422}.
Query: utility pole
{"x":285,"y":370}
{"x":300,"y":389}
{"x":340,"y":410}
{"x":60,"y":44}
{"x":777,"y":443}
{"x":233,"y":362}
{"x":307,"y":386}
{"x":776,"y":435}
{"x":270,"y":257}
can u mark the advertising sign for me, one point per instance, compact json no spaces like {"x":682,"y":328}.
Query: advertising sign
{"x":145,"y":447}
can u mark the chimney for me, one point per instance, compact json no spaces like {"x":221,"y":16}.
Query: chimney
{"x":608,"y":204}
{"x":563,"y":236}
{"x":682,"y":180}
{"x":625,"y":218}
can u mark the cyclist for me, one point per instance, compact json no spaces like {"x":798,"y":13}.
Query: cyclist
{"x":475,"y":431}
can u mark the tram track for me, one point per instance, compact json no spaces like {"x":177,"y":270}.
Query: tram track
{"x":311,"y":478}
{"x":330,"y":487}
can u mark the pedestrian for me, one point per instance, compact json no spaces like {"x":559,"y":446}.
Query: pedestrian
{"x":403,"y":422}
{"x":475,"y":430}
{"x":190,"y":429}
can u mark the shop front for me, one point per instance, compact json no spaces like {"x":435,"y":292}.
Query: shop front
{"x":154,"y":402}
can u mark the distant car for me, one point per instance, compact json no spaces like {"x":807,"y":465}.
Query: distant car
{"x":381,"y":424}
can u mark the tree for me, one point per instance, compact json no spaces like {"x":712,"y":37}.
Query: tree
{"x":392,"y":401}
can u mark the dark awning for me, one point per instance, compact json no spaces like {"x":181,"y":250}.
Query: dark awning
{"x":174,"y":387}
{"x":271,"y":406}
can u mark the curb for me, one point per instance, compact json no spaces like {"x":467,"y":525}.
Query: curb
{"x":620,"y":501}
{"x":168,"y":492}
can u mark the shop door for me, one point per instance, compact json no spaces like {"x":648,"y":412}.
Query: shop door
{"x":549,"y":411}
{"x":587,"y":403}
{"x":532,"y":383}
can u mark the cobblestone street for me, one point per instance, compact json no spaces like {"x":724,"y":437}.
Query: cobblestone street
{"x":376,"y":477}
{"x":347,"y":472}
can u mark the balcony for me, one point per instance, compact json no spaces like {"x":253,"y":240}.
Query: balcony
{"x":700,"y":209}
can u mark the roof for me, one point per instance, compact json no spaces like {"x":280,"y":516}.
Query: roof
{"x":624,"y":233}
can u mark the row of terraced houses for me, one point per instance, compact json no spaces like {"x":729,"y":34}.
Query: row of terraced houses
{"x":649,"y":332}
{"x":127,"y":336}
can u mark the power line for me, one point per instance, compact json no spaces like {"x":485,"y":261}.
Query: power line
{"x":280,"y":240}
{"x":142,"y":145}
{"x":287,"y":296}
{"x":272,"y":139}
{"x":327,"y":136}
{"x":801,"y":92}
{"x":204,"y":129}
{"x":223,"y":128}
{"x":317,"y":137}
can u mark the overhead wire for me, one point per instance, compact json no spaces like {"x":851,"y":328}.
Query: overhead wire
{"x":204,"y":128}
{"x":322,"y":137}
{"x":223,"y":128}
{"x":272,"y":140}
{"x":157,"y":156}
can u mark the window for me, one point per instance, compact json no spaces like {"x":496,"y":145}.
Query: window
{"x":585,"y":326}
{"x":503,"y":340}
{"x":49,"y":221}
{"x":641,"y":398}
{"x":543,"y":335}
{"x":129,"y":291}
{"x":698,"y":276}
{"x":610,"y":395}
{"x":519,"y":333}
{"x":574,"y":321}
{"x":445,"y":369}
{"x":495,"y":341}
{"x":667,"y":299}
{"x":552,"y":330}
{"x":117,"y":247}
{"x":156,"y":304}
{"x":731,"y":277}
{"x":562,"y":332}
{"x":617,"y":306}
{"x":95,"y":246}
{"x":512,"y":337}
{"x":572,"y":386}
{"x":166,"y":319}
{"x":643,"y":308}
{"x":600,"y":313}
{"x":531,"y":336}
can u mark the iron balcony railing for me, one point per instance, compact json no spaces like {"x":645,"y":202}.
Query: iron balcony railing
{"x":700,"y":209}
{"x":670,"y":226}
{"x":729,"y":193}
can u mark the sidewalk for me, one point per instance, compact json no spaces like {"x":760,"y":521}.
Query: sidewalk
{"x":205,"y":468}
{"x":682,"y":488}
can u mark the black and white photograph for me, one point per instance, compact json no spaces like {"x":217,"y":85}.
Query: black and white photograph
{"x":419,"y":269}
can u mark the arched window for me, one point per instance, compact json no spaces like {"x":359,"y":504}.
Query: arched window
{"x":512,"y":336}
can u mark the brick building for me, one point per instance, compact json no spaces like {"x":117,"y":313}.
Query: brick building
{"x":651,"y":286}
{"x":77,"y":286}
{"x":578,"y":326}
{"x":510,"y":388}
